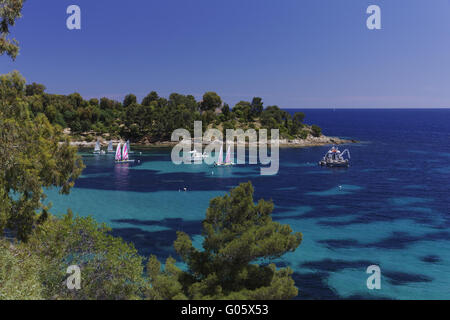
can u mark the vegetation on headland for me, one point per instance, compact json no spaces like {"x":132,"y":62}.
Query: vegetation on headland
{"x":37,"y":247}
{"x":155,"y":118}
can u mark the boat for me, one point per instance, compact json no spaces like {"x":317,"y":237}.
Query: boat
{"x":335,"y":158}
{"x":128,"y":147}
{"x":122,"y":154}
{"x":98,"y":148}
{"x":227,"y":162}
{"x":110,"y":147}
{"x":195,"y":155}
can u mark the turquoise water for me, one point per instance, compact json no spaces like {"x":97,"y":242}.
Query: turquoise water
{"x":390,"y":208}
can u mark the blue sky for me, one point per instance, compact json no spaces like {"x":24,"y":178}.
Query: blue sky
{"x":292,"y":53}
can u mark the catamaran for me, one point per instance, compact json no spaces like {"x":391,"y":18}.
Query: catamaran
{"x":335,"y":158}
{"x":195,"y":155}
{"x":98,"y":149}
{"x":227,"y":162}
{"x":122,"y":154}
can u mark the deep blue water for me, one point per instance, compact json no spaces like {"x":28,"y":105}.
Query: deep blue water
{"x":393,"y":209}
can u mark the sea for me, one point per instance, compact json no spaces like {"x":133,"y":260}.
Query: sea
{"x":390,"y":208}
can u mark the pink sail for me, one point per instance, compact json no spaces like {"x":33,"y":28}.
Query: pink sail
{"x":228,"y":158}
{"x":118,"y":153}
{"x":220,"y":159}
{"x":125,"y":152}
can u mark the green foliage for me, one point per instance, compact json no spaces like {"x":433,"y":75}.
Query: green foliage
{"x":34,"y":89}
{"x":31,"y":158}
{"x":303,"y":134}
{"x":316,"y":130}
{"x":256,"y":107}
{"x":10,"y":11}
{"x":19,"y":273}
{"x":129,"y":99}
{"x":110,"y":268}
{"x":151,"y":97}
{"x":211,"y":101}
{"x":164,"y":285}
{"x":237,"y":233}
{"x":155,"y":118}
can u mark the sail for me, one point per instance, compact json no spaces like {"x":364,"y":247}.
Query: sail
{"x":128,"y":146}
{"x":118,"y":153}
{"x":110,"y":147}
{"x":97,"y":146}
{"x":220,"y":159}
{"x":125,"y":152}
{"x":228,"y":158}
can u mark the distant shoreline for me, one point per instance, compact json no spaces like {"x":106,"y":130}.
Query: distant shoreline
{"x":283,"y":143}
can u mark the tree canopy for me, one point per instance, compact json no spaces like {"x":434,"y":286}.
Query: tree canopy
{"x":10,"y":11}
{"x":33,"y":155}
{"x":237,"y":234}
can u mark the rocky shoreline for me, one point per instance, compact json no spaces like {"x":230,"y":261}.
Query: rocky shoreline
{"x":310,"y":141}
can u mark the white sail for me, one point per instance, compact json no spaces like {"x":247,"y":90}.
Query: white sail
{"x":228,"y":157}
{"x":128,"y":146}
{"x":220,"y":159}
{"x":118,"y":153}
{"x":97,"y":146}
{"x":110,"y":147}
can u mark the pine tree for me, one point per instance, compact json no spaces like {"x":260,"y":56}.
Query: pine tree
{"x":237,"y":234}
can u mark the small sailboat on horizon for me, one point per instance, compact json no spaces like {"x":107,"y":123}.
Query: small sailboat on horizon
{"x":98,"y":148}
{"x":110,"y":148}
{"x":227,"y":162}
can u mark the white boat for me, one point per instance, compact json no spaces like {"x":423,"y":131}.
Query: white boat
{"x":335,"y":158}
{"x":98,"y":148}
{"x":110,"y":147}
{"x":122,"y":154}
{"x":227,"y":162}
{"x":195,"y":155}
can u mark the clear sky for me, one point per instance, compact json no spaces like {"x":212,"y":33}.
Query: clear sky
{"x":292,"y":53}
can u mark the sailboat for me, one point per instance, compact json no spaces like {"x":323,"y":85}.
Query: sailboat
{"x":128,"y":147}
{"x":98,"y":149}
{"x":227,"y":162}
{"x":122,"y":154}
{"x":110,"y":147}
{"x":220,"y":159}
